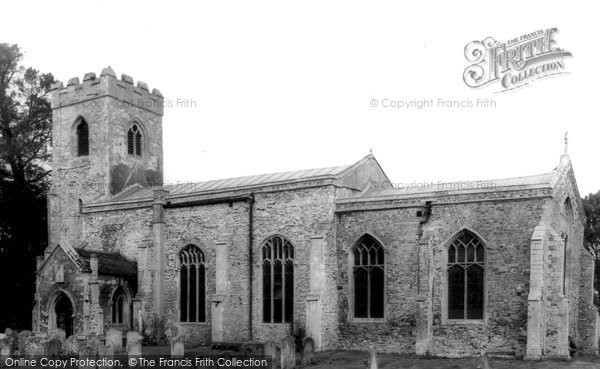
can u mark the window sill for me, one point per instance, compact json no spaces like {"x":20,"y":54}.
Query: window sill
{"x":193,"y":323}
{"x":367,"y":320}
{"x":276,"y":324}
{"x":464,"y":322}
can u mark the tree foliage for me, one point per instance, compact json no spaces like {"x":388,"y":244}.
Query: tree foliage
{"x":591,"y":206}
{"x":25,"y":149}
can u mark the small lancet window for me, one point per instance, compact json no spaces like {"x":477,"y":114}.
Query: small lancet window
{"x":83,"y":139}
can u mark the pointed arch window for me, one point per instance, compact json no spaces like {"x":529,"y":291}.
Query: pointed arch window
{"x":120,"y":307}
{"x":134,"y":140}
{"x":83,"y":138}
{"x":192,"y":306}
{"x":368,"y":278}
{"x":278,"y":280}
{"x":466,"y":277}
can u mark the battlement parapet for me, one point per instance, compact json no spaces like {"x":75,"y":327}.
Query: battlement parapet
{"x":107,"y":85}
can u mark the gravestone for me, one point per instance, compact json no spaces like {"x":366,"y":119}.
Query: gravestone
{"x":308,"y":351}
{"x":106,"y":352}
{"x":372,"y":363}
{"x":92,"y":340}
{"x":485,"y":361}
{"x":57,"y":333}
{"x":288,"y":353}
{"x":87,"y":352}
{"x":14,"y":335}
{"x":253,"y":348}
{"x":72,"y":345}
{"x":35,"y":346}
{"x":6,"y":346}
{"x":273,"y":351}
{"x":55,"y":347}
{"x":177,"y":347}
{"x":114,"y":338}
{"x":23,"y":335}
{"x":134,"y":344}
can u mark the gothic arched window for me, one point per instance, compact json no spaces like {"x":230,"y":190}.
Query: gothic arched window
{"x":191,"y":285}
{"x":278,"y":280}
{"x":120,"y":307}
{"x":134,"y":140}
{"x":466,"y":266}
{"x":368,"y":276}
{"x":83,"y":138}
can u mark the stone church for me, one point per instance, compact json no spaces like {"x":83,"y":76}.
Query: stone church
{"x":445,"y":269}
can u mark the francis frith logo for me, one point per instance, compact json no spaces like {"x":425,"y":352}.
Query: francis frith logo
{"x":516,"y":62}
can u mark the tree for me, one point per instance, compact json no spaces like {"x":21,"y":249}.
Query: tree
{"x":591,"y":206}
{"x":25,"y":149}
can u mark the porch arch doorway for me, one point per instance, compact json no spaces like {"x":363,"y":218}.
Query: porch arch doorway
{"x":61,"y":313}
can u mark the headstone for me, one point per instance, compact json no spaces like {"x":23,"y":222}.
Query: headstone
{"x":134,"y":344}
{"x":485,"y":361}
{"x":55,"y":348}
{"x":288,"y":353}
{"x":253,"y":348}
{"x":11,"y":333}
{"x":92,"y":340}
{"x":372,"y":363}
{"x":87,"y":352}
{"x":6,"y":346}
{"x":272,"y":350}
{"x":106,"y":352}
{"x":177,"y":347}
{"x":23,"y":335}
{"x":140,"y":321}
{"x":35,"y":346}
{"x":72,"y":345}
{"x":114,"y":338}
{"x":308,"y":351}
{"x":58,"y":333}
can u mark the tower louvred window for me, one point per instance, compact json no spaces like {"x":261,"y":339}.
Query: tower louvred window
{"x":134,"y":141}
{"x":83,"y":144}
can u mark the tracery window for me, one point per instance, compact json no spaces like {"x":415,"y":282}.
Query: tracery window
{"x":278,"y":280}
{"x":192,"y":289}
{"x":368,"y":276}
{"x":134,"y":140}
{"x":466,"y":266}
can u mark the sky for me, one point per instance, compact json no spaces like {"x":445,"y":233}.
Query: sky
{"x":276,"y":86}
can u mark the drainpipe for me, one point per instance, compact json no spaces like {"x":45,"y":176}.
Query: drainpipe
{"x":250,"y":261}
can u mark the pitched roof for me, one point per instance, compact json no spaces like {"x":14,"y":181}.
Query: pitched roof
{"x":546,"y":180}
{"x":140,"y":193}
{"x":110,"y":263}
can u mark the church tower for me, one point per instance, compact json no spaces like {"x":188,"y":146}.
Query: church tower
{"x":107,"y":137}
